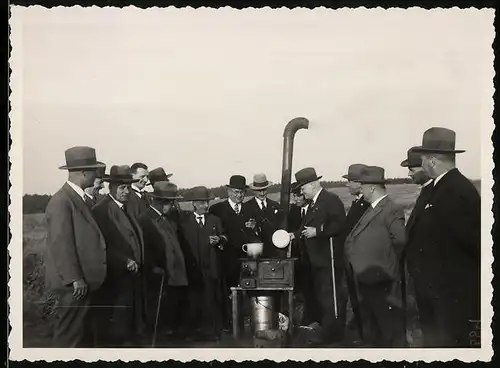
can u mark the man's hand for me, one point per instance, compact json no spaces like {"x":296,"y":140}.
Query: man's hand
{"x":309,"y":232}
{"x":79,"y":289}
{"x":250,"y":224}
{"x":214,"y":239}
{"x":292,"y":236}
{"x":132,"y":265}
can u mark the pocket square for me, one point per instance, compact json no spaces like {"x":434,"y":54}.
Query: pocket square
{"x":428,"y":205}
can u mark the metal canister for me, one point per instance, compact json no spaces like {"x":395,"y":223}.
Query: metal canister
{"x":264,"y":316}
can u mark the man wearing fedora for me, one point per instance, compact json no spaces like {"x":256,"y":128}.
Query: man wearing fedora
{"x":158,"y":174}
{"x":92,"y":195}
{"x":373,"y":250}
{"x":303,"y":278}
{"x":266,"y":213}
{"x":138,"y":202}
{"x":123,"y":289}
{"x":444,"y":247}
{"x":239,"y":230}
{"x":323,"y":224}
{"x":358,"y":207}
{"x":205,"y":239}
{"x":75,"y":257}
{"x":164,"y":257}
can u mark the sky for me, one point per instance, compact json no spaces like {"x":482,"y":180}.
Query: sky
{"x":207,"y":93}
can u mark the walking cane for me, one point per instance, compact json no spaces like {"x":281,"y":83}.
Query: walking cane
{"x":333,"y":281}
{"x":158,"y":310}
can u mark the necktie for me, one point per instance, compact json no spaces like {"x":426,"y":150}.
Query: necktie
{"x":237,"y":208}
{"x":88,"y":201}
{"x":303,"y":212}
{"x":200,"y":220}
{"x":263,"y":205}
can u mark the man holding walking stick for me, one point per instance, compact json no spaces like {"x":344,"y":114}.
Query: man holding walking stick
{"x":320,"y":229}
{"x":165,"y":261}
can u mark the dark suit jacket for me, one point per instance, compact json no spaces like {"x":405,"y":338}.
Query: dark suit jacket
{"x":76,"y":247}
{"x":327,"y":215}
{"x":162,"y":247}
{"x":358,"y":208}
{"x":267,"y":223}
{"x":137,"y":206}
{"x":375,"y":245}
{"x":202,"y":258}
{"x":234,"y":225}
{"x":444,"y":241}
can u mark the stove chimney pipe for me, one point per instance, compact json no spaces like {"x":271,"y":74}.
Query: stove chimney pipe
{"x":286,"y":173}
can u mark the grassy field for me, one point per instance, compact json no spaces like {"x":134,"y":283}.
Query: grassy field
{"x":37,"y":304}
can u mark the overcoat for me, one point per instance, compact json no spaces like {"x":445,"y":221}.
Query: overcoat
{"x":75,"y":250}
{"x":76,"y":247}
{"x":443,"y":256}
{"x":162,"y":246}
{"x":327,"y":215}
{"x":124,"y":289}
{"x":374,"y":248}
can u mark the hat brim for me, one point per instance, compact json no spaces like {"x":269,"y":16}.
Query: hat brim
{"x":422,"y":149}
{"x":302,"y":183}
{"x":251,"y":186}
{"x":97,"y":165}
{"x":165,"y":197}
{"x":233,"y":187}
{"x":109,"y":179}
{"x":371,"y":181}
{"x":407,"y":164}
{"x":199,"y":199}
{"x":348,"y":178}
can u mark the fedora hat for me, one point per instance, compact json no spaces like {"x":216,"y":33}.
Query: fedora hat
{"x":199,"y":193}
{"x":260,"y":182}
{"x":413,"y":158}
{"x":305,"y":176}
{"x":237,"y":182}
{"x":372,"y":175}
{"x":81,"y":157}
{"x":165,"y":190}
{"x":438,"y":140}
{"x":158,"y":174}
{"x":353,"y":172}
{"x":294,"y":188}
{"x":120,"y":175}
{"x":101,"y":171}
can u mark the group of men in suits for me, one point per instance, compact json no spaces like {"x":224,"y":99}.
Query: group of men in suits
{"x":130,"y":261}
{"x":375,"y":251}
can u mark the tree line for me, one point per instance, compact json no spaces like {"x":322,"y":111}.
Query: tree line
{"x":36,"y":203}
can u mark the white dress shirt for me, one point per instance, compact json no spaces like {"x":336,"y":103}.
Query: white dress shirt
{"x":158,"y":212}
{"x":316,"y":196}
{"x":439,"y":177}
{"x":427,"y":183}
{"x":233,"y":205}
{"x":198,"y":217}
{"x":261,"y":202}
{"x":77,"y":189}
{"x":374,"y":203}
{"x":120,"y":204}
{"x":137,"y":191}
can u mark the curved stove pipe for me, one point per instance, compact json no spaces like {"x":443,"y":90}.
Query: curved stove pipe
{"x":286,"y":173}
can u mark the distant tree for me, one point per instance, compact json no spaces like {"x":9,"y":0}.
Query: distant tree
{"x":35,"y":203}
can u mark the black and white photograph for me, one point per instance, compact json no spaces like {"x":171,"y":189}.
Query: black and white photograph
{"x":223,"y":184}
